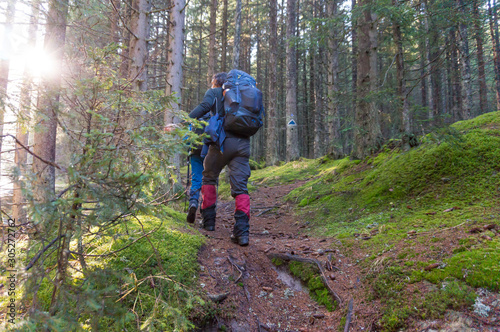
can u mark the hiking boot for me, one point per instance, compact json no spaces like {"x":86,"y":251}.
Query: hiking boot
{"x":191,"y":216}
{"x":210,"y":228}
{"x":241,"y":240}
{"x":209,"y":216}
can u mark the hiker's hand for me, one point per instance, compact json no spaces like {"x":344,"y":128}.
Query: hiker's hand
{"x":170,"y":127}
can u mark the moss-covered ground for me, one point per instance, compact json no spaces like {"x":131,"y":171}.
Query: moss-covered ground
{"x":398,"y":212}
{"x":147,"y":283}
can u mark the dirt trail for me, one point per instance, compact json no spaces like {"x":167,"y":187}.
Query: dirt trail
{"x":259,"y":296}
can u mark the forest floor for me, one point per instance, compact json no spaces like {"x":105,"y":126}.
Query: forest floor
{"x":252,"y":294}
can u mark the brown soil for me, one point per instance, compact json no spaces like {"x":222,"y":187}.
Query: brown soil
{"x":261,"y":297}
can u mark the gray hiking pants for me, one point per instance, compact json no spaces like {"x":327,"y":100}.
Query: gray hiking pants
{"x":236,"y":156}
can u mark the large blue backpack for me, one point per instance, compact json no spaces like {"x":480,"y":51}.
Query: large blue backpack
{"x":242,"y":104}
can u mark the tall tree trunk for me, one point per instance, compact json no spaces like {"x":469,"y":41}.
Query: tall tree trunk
{"x":281,"y":112}
{"x":4,"y":71}
{"x":405,"y":128}
{"x":319,"y":127}
{"x":333,"y":82}
{"x":422,"y":48}
{"x":428,"y":63}
{"x":312,"y":101}
{"x":237,"y":35}
{"x":115,"y":20}
{"x":211,"y":41}
{"x":301,"y":85}
{"x":434,"y":63}
{"x":48,"y":103}
{"x":496,"y":47}
{"x":224,"y":38}
{"x":465,"y":62}
{"x":258,"y":141}
{"x":292,"y":139}
{"x":354,"y":75}
{"x":272,"y":132}
{"x":199,"y":78}
{"x":456,"y":104}
{"x":127,"y":36}
{"x":368,"y":133}
{"x":246,"y":42}
{"x":21,"y":155}
{"x":46,"y":129}
{"x":478,"y":31}
{"x":139,"y":25}
{"x":175,"y":73}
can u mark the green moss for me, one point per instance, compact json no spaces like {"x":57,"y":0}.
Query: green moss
{"x":452,"y":295}
{"x":342,"y":324}
{"x":254,"y":165}
{"x":278,"y":262}
{"x":479,"y":267}
{"x":395,"y":318}
{"x":299,"y":170}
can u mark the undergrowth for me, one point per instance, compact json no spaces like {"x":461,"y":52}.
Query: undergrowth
{"x":150,"y":283}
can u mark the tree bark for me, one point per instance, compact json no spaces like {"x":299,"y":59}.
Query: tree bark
{"x":319,"y":117}
{"x":456,"y":93}
{"x":478,"y":31}
{"x":434,"y":66}
{"x":354,"y":52}
{"x":4,"y":71}
{"x":139,"y":25}
{"x":423,"y":63}
{"x":312,"y":105}
{"x":465,"y":62}
{"x":496,"y":48}
{"x":291,"y":85}
{"x":237,"y":35}
{"x":175,"y":72}
{"x":272,"y":132}
{"x":224,"y":38}
{"x":22,"y":134}
{"x":403,"y":106}
{"x":333,"y":82}
{"x":211,"y":41}
{"x":48,"y":103}
{"x":368,"y":133}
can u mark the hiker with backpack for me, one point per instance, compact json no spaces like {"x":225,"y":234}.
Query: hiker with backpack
{"x":229,"y":144}
{"x":209,"y":106}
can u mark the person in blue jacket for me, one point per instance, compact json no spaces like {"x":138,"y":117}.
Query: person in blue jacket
{"x":212,"y":102}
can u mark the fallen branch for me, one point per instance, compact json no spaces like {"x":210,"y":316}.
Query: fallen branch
{"x":287,"y":257}
{"x":349,"y":316}
{"x":239,"y":268}
{"x":266,"y":210}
